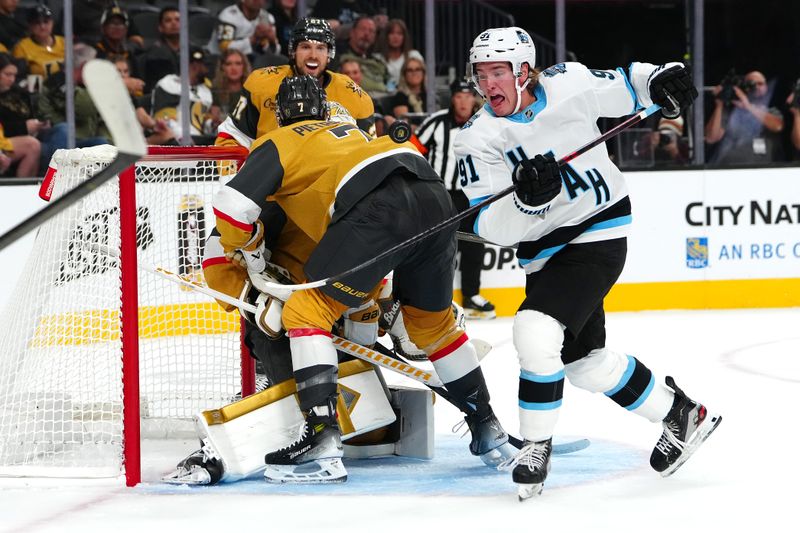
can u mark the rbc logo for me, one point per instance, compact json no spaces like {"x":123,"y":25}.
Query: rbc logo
{"x":697,"y":252}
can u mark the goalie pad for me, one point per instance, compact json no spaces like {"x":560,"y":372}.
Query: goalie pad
{"x":241,"y":433}
{"x":411,"y":435}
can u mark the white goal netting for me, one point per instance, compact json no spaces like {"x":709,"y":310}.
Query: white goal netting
{"x":61,"y":371}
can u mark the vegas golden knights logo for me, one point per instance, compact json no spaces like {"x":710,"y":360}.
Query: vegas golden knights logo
{"x":191,"y":236}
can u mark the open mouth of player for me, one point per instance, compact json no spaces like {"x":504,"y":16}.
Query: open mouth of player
{"x":312,"y":66}
{"x":496,"y":100}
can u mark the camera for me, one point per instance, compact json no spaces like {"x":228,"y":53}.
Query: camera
{"x":665,"y":138}
{"x":731,"y":80}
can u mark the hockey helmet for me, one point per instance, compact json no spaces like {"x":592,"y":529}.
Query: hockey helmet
{"x":313,"y":29}
{"x":301,"y":98}
{"x":512,"y":45}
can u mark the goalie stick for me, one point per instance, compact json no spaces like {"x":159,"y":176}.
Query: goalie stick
{"x":380,"y":355}
{"x":110,"y":97}
{"x":630,"y":121}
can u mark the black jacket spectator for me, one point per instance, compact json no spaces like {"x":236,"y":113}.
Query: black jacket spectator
{"x":12,"y":25}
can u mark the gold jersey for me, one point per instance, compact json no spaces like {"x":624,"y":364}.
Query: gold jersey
{"x":254,"y":114}
{"x":42,"y":60}
{"x":316,"y":172}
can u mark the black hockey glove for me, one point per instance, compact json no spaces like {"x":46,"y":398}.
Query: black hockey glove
{"x":537,"y":180}
{"x":673,"y":90}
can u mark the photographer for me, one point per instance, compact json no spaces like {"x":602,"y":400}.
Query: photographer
{"x":793,"y":101}
{"x":747,"y":130}
{"x":670,"y":146}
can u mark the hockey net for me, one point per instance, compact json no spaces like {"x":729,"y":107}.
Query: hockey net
{"x":67,"y":403}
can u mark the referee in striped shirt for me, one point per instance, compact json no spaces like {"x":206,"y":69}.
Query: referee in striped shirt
{"x":435,"y":139}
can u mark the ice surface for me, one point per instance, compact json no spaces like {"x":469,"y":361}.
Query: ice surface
{"x":743,"y":364}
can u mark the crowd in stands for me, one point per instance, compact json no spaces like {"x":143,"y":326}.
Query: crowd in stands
{"x":747,"y":124}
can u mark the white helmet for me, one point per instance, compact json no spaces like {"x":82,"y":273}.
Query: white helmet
{"x":512,"y":45}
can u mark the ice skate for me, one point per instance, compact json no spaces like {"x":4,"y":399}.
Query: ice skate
{"x":314,"y":458}
{"x":201,"y":467}
{"x":531,"y":466}
{"x":687,"y":425}
{"x":478,"y":307}
{"x":489,"y":439}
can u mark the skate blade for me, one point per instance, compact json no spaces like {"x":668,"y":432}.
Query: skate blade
{"x":494,"y":458}
{"x":527,"y":491}
{"x":703,"y":432}
{"x":182,"y":476}
{"x":319,"y":472}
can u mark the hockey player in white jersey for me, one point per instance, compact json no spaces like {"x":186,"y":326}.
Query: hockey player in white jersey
{"x":570,"y":224}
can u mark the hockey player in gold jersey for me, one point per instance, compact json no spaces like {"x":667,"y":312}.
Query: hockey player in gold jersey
{"x":349,"y":197}
{"x":311,"y":47}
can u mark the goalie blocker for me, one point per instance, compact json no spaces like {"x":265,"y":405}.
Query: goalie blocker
{"x":236,"y":437}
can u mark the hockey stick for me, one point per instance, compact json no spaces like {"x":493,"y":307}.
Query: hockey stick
{"x":111,"y":99}
{"x":561,"y":448}
{"x":380,"y":356}
{"x":471,"y":237}
{"x":630,"y":121}
{"x":425,"y":377}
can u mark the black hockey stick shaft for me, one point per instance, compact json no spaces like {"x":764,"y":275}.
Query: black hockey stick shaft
{"x":627,"y":123}
{"x":120,"y":163}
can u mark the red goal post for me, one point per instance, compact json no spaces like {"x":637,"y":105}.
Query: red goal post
{"x":75,"y":387}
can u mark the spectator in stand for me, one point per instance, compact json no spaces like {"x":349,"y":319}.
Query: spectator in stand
{"x":157,"y":132}
{"x":114,"y":43}
{"x":12,"y":28}
{"x":743,"y":125}
{"x":670,"y":147}
{"x":228,"y":82}
{"x":284,"y":12}
{"x":342,"y":15}
{"x":166,"y":98}
{"x":394,"y":48}
{"x":359,"y":47}
{"x":18,"y":115}
{"x":793,"y":101}
{"x":86,"y":20}
{"x":19,"y":126}
{"x":411,"y":95}
{"x":163,"y":58}
{"x":43,"y":51}
{"x":435,"y":138}
{"x":89,"y":127}
{"x":352,"y":69}
{"x":246,"y":26}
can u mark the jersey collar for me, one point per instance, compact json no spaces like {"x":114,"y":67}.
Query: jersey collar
{"x":530,"y":112}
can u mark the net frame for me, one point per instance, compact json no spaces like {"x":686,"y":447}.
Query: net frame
{"x":130,"y":303}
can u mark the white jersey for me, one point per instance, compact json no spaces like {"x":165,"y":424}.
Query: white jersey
{"x":593,"y":204}
{"x":234,"y":28}
{"x":165,"y":102}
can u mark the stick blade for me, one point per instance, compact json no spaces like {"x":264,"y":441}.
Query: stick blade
{"x":110,"y":97}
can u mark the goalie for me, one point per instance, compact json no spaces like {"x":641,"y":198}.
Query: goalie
{"x":363,"y":197}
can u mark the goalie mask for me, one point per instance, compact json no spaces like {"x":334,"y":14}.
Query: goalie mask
{"x":301,"y":98}
{"x":312,"y":29}
{"x":511,"y":45}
